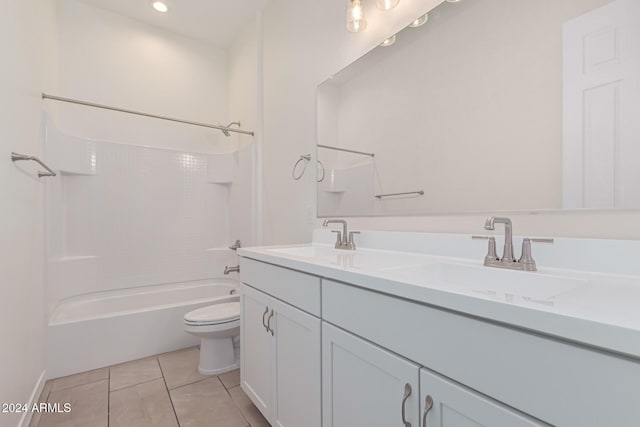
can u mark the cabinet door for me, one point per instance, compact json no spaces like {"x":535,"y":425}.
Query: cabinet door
{"x":256,"y":352}
{"x":297,"y":367}
{"x":364,"y":385}
{"x":453,"y":405}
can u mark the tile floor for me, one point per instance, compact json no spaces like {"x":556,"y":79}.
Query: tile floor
{"x":164,"y":390}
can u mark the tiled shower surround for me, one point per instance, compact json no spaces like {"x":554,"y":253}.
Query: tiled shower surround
{"x":123,"y":216}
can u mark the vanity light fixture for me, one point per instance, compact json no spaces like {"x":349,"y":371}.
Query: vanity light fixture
{"x":420,"y":21}
{"x":356,"y":16}
{"x":387,"y":4}
{"x":388,"y":42}
{"x":159,"y":6}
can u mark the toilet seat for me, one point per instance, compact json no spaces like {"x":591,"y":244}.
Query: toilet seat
{"x":216,"y":314}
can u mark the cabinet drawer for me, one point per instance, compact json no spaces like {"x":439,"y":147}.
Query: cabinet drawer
{"x":298,"y":289}
{"x":552,"y":380}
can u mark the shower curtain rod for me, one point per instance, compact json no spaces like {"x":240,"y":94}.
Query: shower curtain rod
{"x":137,"y":113}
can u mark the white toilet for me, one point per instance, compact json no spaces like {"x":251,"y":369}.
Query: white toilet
{"x":217,"y":326}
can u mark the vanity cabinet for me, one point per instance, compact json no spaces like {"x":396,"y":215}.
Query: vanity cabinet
{"x":444,"y":403}
{"x":280,"y":356}
{"x":322,"y":352}
{"x":256,"y":353}
{"x":364,"y":385}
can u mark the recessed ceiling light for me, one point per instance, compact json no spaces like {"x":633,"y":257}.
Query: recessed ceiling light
{"x":160,"y":6}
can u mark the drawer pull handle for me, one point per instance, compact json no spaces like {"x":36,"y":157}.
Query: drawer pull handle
{"x":269,"y":323}
{"x":407,"y":393}
{"x":428,"y":404}
{"x":264,"y":323}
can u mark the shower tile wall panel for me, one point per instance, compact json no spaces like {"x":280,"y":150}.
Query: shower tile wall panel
{"x":149,"y":216}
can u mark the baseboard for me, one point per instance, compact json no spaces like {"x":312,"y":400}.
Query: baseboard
{"x":35,"y":394}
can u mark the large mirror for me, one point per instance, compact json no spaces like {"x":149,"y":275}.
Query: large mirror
{"x":490,"y":105}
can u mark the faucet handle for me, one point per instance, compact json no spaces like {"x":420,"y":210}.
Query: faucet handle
{"x":526,"y":259}
{"x":541,"y":240}
{"x":350,"y":242}
{"x":339,"y":237}
{"x":492,"y":253}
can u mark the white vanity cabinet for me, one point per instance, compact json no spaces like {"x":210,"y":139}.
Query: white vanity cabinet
{"x":364,"y":385}
{"x":320,"y":352}
{"x":280,"y":355}
{"x":444,"y":403}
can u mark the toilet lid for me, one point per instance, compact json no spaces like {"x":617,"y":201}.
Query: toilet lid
{"x":218,"y":313}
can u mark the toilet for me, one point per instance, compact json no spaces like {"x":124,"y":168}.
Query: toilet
{"x":218,"y":327}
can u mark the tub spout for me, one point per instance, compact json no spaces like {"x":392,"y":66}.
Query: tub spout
{"x":228,"y":269}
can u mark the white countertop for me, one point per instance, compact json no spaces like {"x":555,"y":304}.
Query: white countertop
{"x":600,"y":310}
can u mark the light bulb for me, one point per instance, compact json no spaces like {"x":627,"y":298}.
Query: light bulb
{"x":388,"y":42}
{"x":387,"y":4}
{"x":420,"y":21}
{"x":160,"y":6}
{"x":356,"y":16}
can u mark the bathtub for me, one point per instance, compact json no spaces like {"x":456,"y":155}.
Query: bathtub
{"x":102,"y":329}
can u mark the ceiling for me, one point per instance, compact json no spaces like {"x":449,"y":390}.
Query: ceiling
{"x":215,"y":21}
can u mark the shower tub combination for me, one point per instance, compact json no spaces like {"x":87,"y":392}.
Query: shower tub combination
{"x":106,"y":328}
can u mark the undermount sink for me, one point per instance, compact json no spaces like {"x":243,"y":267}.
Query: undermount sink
{"x":306,"y":251}
{"x":491,"y":282}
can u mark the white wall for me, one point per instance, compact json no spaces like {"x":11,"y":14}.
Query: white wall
{"x":304,"y":42}
{"x":109,"y":59}
{"x":243,"y":107}
{"x":23,"y":26}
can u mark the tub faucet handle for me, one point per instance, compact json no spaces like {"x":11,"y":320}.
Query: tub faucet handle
{"x":237,"y":245}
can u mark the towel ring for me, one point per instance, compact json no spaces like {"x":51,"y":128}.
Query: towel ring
{"x":304,"y":159}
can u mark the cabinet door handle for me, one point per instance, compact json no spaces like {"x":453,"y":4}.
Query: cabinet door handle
{"x":428,"y":404}
{"x":269,"y":323}
{"x":407,"y":393}
{"x":266,"y":310}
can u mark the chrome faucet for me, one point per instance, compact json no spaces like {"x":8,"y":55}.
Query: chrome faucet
{"x":490,"y":224}
{"x":228,"y":269}
{"x":526,"y":261}
{"x":345,"y":239}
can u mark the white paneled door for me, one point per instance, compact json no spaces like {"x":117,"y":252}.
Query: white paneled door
{"x":601,"y":143}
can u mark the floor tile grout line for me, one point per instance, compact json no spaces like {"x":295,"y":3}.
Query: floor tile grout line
{"x":73,"y":386}
{"x":234,"y":401}
{"x":136,"y":384}
{"x":173,"y":407}
{"x":192,"y":383}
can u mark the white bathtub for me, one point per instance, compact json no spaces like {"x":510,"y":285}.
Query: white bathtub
{"x":102,"y":329}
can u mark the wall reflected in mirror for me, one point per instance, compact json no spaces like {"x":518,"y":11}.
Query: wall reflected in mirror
{"x":491,"y":105}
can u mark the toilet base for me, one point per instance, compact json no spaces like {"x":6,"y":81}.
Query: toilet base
{"x":217,"y":356}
